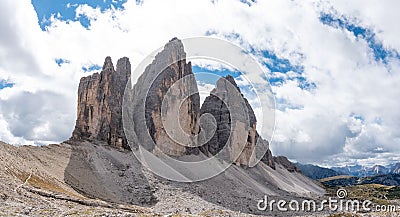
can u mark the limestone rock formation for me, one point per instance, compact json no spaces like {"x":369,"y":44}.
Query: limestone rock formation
{"x":165,"y":113}
{"x":172,"y":130}
{"x":267,"y":158}
{"x":223,"y":104}
{"x":221,"y":98}
{"x":99,"y":114}
{"x":282,"y":160}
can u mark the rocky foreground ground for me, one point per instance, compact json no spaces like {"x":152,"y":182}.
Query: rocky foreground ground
{"x":43,"y":181}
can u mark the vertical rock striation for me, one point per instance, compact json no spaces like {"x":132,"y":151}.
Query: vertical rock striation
{"x":222,"y":104}
{"x":99,"y":114}
{"x":217,"y":104}
{"x":166,"y":115}
{"x":157,"y":85}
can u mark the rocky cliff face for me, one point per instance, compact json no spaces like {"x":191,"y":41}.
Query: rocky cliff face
{"x":282,"y":160}
{"x":267,"y":158}
{"x":170,"y":123}
{"x":217,"y":104}
{"x":99,"y":114}
{"x":222,"y":104}
{"x":171,"y":116}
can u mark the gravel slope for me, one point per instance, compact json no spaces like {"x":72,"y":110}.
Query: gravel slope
{"x":95,"y":179}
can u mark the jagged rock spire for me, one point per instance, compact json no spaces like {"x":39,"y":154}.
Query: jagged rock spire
{"x":100,"y":97}
{"x":222,"y":104}
{"x":99,"y":114}
{"x":151,"y":88}
{"x":108,"y":65}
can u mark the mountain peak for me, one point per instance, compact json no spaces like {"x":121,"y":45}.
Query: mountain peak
{"x":100,"y":99}
{"x":108,"y":65}
{"x":99,"y":114}
{"x":151,"y":90}
{"x":174,"y":39}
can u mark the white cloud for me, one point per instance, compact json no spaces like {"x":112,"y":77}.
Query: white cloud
{"x":317,"y":126}
{"x":211,"y":65}
{"x":382,"y":18}
{"x":204,"y":90}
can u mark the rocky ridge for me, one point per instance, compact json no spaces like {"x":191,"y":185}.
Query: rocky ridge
{"x":225,"y":96}
{"x":157,"y":85}
{"x":222,"y":104}
{"x":99,"y":111}
{"x":100,"y":99}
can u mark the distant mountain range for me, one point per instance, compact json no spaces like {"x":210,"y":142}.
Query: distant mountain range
{"x":362,"y":171}
{"x":317,"y":172}
{"x":387,"y":179}
{"x":352,"y":175}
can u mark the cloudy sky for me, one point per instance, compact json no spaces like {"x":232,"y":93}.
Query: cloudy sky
{"x":334,"y":67}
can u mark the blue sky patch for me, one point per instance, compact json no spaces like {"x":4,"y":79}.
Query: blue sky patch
{"x":211,"y":76}
{"x":282,"y":105}
{"x":280,"y":67}
{"x":91,"y":68}
{"x":305,"y":84}
{"x":66,"y":8}
{"x":61,"y":61}
{"x":5,"y":84}
{"x":205,"y":78}
{"x":276,"y":64}
{"x":381,"y":54}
